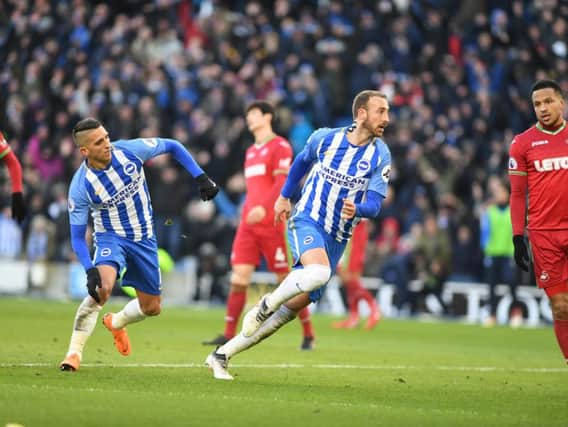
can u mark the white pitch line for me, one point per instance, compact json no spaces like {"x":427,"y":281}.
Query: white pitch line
{"x":300,"y":366}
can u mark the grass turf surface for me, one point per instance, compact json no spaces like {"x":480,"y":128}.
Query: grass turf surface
{"x":402,"y":373}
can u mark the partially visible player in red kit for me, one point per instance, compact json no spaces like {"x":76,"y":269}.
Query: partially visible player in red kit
{"x":266,"y":166}
{"x":538,"y":164}
{"x":350,"y":269}
{"x":15,"y":170}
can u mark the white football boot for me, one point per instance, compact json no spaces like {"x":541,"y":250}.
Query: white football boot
{"x":256,"y":317}
{"x":218,"y":363}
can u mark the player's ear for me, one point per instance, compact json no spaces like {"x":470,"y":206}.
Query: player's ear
{"x":84,"y":150}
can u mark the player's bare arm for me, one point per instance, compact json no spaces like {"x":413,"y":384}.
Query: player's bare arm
{"x":255,"y":215}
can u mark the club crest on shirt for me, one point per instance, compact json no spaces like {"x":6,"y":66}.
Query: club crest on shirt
{"x":129,"y":168}
{"x":106,"y":252}
{"x":308,"y":240}
{"x":363,"y":165}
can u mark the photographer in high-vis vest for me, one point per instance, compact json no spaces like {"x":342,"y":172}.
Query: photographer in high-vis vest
{"x":498,"y":250}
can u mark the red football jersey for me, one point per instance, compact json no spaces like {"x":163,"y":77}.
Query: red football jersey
{"x":543,"y":157}
{"x":260,"y":163}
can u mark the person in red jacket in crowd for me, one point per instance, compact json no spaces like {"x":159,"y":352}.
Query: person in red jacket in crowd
{"x":15,"y":170}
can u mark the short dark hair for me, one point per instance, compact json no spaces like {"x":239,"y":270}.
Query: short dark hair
{"x":546,"y":84}
{"x":85,"y":124}
{"x":82,"y":125}
{"x":363,"y":97}
{"x":264,"y":106}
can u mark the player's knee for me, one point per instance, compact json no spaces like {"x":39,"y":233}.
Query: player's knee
{"x":105,"y":290}
{"x":559,"y":305}
{"x":239,"y":281}
{"x":317,"y":274}
{"x":152,"y":309}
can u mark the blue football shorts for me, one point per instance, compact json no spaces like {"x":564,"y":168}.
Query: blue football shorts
{"x":139,"y":258}
{"x":305,"y":234}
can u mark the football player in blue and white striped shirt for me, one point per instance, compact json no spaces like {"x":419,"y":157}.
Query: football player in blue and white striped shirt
{"x":347,"y":175}
{"x":110,"y":183}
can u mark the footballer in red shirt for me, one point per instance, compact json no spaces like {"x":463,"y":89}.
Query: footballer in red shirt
{"x":266,"y":166}
{"x":15,"y":170}
{"x":350,"y":270}
{"x":538,"y":166}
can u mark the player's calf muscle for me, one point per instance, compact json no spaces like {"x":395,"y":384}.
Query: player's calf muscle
{"x":559,"y":305}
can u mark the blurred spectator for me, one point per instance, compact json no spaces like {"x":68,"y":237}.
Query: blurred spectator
{"x":497,"y":244}
{"x":10,"y":235}
{"x":431,"y":258}
{"x":169,"y":198}
{"x":212,"y":284}
{"x":40,"y":244}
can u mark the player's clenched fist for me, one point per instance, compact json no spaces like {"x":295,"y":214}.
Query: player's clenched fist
{"x":94,"y":282}
{"x":282,"y":209}
{"x":207,"y":188}
{"x":348,"y":209}
{"x":18,"y":207}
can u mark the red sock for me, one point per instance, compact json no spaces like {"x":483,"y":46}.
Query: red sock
{"x":561,"y":331}
{"x":360,"y":292}
{"x":352,"y":298}
{"x":235,"y":305}
{"x":304,"y":316}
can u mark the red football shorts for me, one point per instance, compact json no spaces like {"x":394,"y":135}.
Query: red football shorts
{"x":253,"y":241}
{"x":354,"y":256}
{"x":550,"y":257}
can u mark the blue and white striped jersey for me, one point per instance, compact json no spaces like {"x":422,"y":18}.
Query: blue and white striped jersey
{"x":117,"y":196}
{"x":340,"y":171}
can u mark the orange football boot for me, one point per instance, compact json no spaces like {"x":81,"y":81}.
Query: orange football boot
{"x":350,"y":323}
{"x":70,"y":363}
{"x":121,"y":341}
{"x":373,"y":319}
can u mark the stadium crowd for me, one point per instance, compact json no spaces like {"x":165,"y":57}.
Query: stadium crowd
{"x":458,"y":76}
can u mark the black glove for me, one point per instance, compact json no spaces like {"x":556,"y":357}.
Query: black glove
{"x":207,"y":188}
{"x":94,"y":282}
{"x":521,"y":252}
{"x":18,"y":207}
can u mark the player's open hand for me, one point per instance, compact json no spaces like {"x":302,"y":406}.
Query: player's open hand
{"x":282,"y":209}
{"x":94,"y":282}
{"x":348,"y":209}
{"x":255,"y":215}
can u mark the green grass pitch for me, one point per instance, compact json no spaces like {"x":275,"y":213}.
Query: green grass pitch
{"x":403,"y":373}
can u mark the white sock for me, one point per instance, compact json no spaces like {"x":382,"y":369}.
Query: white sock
{"x":85,"y":321}
{"x":131,"y":313}
{"x":307,"y":279}
{"x":240,"y":343}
